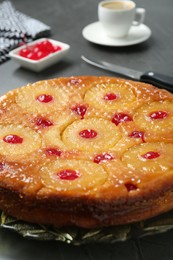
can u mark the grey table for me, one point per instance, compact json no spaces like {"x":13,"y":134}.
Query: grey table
{"x":67,"y":19}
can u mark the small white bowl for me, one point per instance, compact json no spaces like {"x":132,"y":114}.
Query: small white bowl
{"x":38,"y":65}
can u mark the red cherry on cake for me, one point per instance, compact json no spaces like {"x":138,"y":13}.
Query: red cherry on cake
{"x":150,"y":155}
{"x":43,"y":122}
{"x":88,"y":133}
{"x":80,"y":110}
{"x":110,"y":96}
{"x":121,"y":117}
{"x":1,"y":166}
{"x":137,"y":134}
{"x":53,"y":151}
{"x":131,"y":186}
{"x":75,"y":81}
{"x":158,"y":115}
{"x":13,"y":139}
{"x":44,"y":98}
{"x":68,"y":174}
{"x":102,"y":157}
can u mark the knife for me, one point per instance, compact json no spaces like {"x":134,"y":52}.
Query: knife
{"x":157,"y":79}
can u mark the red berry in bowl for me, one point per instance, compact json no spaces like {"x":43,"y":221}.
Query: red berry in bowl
{"x":24,"y":52}
{"x":56,"y":48}
{"x":41,"y":54}
{"x":39,"y":50}
{"x":45,"y":45}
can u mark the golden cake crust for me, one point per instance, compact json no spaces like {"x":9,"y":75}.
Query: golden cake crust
{"x":86,"y":151}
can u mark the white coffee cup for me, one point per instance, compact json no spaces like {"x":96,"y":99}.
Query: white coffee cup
{"x":118,"y":16}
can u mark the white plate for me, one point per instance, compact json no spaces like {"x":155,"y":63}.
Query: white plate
{"x":95,"y":34}
{"x":38,"y":65}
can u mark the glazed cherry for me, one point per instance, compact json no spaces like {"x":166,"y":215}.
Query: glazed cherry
{"x":41,"y":54}
{"x":24,"y":52}
{"x":102,"y":157}
{"x":45,"y":45}
{"x":80,"y":110}
{"x":110,"y":96}
{"x":121,"y":117}
{"x":36,"y":55}
{"x":150,"y":155}
{"x":56,"y":48}
{"x":131,"y":186}
{"x":88,"y":133}
{"x":31,"y":55}
{"x":75,"y":81}
{"x":158,"y":115}
{"x":53,"y":151}
{"x":68,"y":175}
{"x":39,"y":50}
{"x":13,"y":139}
{"x":43,"y":122}
{"x":1,"y":166}
{"x":44,"y":98}
{"x":137,"y":134}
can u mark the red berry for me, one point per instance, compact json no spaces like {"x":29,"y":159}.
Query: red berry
{"x":80,"y":110}
{"x":41,"y":54}
{"x":110,"y":96}
{"x":1,"y":166}
{"x":69,"y":175}
{"x":35,"y":49}
{"x":150,"y":155}
{"x":32,"y":56}
{"x":39,"y":50}
{"x":158,"y":115}
{"x":88,"y":133}
{"x":44,"y":98}
{"x":43,"y":122}
{"x":130,"y":186}
{"x":45,"y":46}
{"x":24,"y":52}
{"x":75,"y":81}
{"x":13,"y":139}
{"x":137,"y":134}
{"x":121,"y":117}
{"x":56,"y":48}
{"x":53,"y":151}
{"x":103,"y":157}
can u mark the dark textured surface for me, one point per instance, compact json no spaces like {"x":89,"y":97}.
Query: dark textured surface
{"x":67,"y":19}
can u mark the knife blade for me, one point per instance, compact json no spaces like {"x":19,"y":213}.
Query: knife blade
{"x":155,"y":78}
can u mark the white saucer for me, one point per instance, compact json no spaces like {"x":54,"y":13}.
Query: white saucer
{"x":95,"y":34}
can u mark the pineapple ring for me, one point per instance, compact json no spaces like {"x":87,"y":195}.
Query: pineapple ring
{"x":27,"y":98}
{"x":29,"y":141}
{"x":157,"y":127}
{"x":52,"y":137}
{"x":105,"y":134}
{"x":63,"y":119}
{"x":149,"y":157}
{"x":88,"y":175}
{"x":122,"y":97}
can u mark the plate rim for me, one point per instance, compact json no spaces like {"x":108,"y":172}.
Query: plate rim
{"x":125,"y":44}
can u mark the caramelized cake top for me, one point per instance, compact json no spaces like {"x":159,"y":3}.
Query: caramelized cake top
{"x":95,"y":138}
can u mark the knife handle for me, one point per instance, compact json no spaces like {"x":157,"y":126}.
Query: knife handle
{"x":159,"y":80}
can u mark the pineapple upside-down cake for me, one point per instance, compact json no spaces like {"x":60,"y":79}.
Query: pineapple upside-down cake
{"x":86,"y":151}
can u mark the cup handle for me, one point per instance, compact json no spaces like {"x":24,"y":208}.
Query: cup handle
{"x":139,"y":16}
